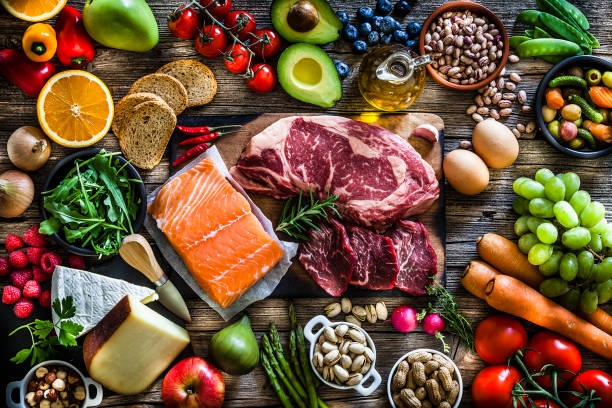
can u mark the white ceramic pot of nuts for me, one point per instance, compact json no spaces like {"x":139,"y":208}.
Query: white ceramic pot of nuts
{"x":50,"y":383}
{"x":425,"y":378}
{"x":342,"y":355}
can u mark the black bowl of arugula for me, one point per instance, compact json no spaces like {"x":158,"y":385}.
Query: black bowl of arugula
{"x":90,"y":201}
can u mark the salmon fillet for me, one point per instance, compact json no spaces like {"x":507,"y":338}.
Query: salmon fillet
{"x":211,"y":226}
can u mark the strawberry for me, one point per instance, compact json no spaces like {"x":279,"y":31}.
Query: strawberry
{"x":34,"y":238}
{"x":49,"y":261}
{"x":23,"y":308}
{"x":19,"y":277}
{"x":34,"y":254}
{"x":45,"y":299}
{"x":5,"y":268}
{"x":18,"y":260}
{"x":31,"y":289}
{"x":76,"y":261}
{"x":38,"y":275}
{"x":10,"y":295}
{"x":12,"y":242}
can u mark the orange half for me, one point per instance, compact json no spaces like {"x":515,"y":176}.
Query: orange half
{"x":75,"y":108}
{"x":33,"y":10}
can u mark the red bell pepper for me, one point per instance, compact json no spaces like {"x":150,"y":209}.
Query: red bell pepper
{"x":28,"y":75}
{"x":74,"y":46}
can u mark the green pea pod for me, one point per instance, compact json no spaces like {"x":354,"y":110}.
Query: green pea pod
{"x":529,"y":17}
{"x":573,"y":11}
{"x":553,"y":59}
{"x":538,"y":32}
{"x":568,"y":80}
{"x":591,"y":38}
{"x":562,"y":29}
{"x":529,"y":33}
{"x":549,"y":6}
{"x":589,"y":111}
{"x":587,"y":137}
{"x":515,"y":40}
{"x":547,"y":46}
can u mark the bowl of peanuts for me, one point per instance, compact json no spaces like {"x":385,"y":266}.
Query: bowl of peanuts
{"x":468,"y":44}
{"x":425,"y":378}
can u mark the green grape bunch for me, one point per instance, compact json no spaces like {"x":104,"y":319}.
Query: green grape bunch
{"x":565,"y":234}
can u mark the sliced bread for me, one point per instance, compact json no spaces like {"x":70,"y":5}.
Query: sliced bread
{"x":145,"y":132}
{"x":164,"y":86}
{"x":196,"y":77}
{"x":125,"y":105}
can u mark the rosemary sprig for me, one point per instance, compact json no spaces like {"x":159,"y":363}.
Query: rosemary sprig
{"x":446,"y":306}
{"x":299,"y":215}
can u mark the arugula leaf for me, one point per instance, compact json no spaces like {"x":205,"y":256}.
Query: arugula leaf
{"x":50,"y":226}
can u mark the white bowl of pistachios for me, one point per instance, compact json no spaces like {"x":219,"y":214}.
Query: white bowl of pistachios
{"x":425,"y":378}
{"x":342,"y":355}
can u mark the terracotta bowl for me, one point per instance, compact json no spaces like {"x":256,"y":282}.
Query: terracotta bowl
{"x":477,"y":9}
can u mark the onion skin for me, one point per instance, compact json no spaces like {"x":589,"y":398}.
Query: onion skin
{"x":28,"y":148}
{"x":16,"y":193}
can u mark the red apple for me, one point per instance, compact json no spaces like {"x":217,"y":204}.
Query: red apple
{"x":193,"y":383}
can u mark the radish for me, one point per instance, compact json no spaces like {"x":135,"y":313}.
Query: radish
{"x":434,"y":324}
{"x":404,"y":319}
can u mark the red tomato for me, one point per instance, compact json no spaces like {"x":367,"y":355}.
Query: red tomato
{"x":542,"y":403}
{"x":184,"y":23}
{"x":268,"y":46}
{"x":236,"y":59}
{"x":492,"y":387}
{"x":219,"y":9}
{"x":241,"y":23}
{"x":211,"y":41}
{"x":552,"y":348}
{"x":263,"y":79}
{"x":591,"y":380}
{"x":498,"y":337}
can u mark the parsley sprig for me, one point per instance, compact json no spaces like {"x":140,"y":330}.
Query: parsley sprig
{"x":299,"y":215}
{"x":44,"y":343}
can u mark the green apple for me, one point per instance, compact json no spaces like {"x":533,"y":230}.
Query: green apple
{"x":123,"y":24}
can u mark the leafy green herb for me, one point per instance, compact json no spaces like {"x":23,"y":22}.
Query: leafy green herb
{"x":44,"y":343}
{"x":299,"y":215}
{"x":94,"y":205}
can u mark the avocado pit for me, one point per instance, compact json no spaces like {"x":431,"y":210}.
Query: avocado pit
{"x":303,"y":16}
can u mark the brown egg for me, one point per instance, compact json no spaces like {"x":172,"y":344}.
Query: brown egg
{"x":495,"y":143}
{"x":466,"y":172}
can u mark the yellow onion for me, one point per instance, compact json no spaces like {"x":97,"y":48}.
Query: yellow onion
{"x":28,"y":148}
{"x":16,"y":193}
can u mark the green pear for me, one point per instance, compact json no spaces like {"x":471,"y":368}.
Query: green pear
{"x":123,"y":24}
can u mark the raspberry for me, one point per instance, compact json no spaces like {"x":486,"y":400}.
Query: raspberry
{"x":49,"y":261}
{"x":38,"y":275}
{"x":12,"y":242}
{"x":34,"y":238}
{"x":76,"y":261}
{"x":5,"y":268}
{"x":18,"y":260}
{"x":31,"y":289}
{"x":34,"y":255}
{"x":10,"y":295}
{"x":19,"y":277}
{"x":23,"y":308}
{"x":45,"y":299}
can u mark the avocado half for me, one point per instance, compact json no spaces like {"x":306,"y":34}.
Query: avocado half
{"x":308,"y":74}
{"x":326,"y":30}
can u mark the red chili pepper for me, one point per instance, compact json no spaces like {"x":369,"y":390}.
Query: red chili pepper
{"x":191,"y":153}
{"x":199,"y":130}
{"x":74,"y":46}
{"x":28,"y":75}
{"x":204,"y":138}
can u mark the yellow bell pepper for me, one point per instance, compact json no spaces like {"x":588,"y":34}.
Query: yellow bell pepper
{"x":39,"y":42}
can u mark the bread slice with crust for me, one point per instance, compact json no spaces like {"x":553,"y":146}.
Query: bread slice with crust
{"x":164,"y":86}
{"x":145,"y":132}
{"x":196,"y":77}
{"x":125,"y":105}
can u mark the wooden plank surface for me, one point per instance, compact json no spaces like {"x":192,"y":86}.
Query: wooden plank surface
{"x":467,"y":217}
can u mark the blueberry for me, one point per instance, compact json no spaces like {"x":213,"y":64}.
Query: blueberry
{"x":400,"y":36}
{"x":343,"y":17}
{"x":365,"y":13}
{"x":360,"y":46}
{"x":414,"y":29}
{"x":386,"y":38}
{"x":388,"y":24}
{"x":412,"y":44}
{"x":402,"y":8}
{"x":377,"y":23}
{"x":343,"y":69}
{"x":365,"y":29}
{"x":349,"y":32}
{"x":398,"y":25}
{"x":384,"y":7}
{"x":373,"y":38}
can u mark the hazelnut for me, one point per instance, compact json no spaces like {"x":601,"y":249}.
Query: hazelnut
{"x":42,"y":385}
{"x":66,"y":403}
{"x":79,"y":393}
{"x":40,"y":394}
{"x":74,"y":406}
{"x":59,"y":384}
{"x":50,"y":394}
{"x":50,"y":377}
{"x":63,"y":395}
{"x":72,"y":379}
{"x":32,"y":386}
{"x":41,"y":372}
{"x":30,"y":398}
{"x":61,"y":374}
{"x":45,"y":404}
{"x":57,"y":404}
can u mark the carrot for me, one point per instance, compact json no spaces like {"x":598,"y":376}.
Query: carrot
{"x":475,"y":277}
{"x":601,"y":132}
{"x":505,"y":256}
{"x":554,"y":98}
{"x":601,"y":319}
{"x":601,"y":96}
{"x":512,"y":296}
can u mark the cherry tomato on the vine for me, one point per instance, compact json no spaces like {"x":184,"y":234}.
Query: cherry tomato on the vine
{"x":219,"y":9}
{"x":542,"y":403}
{"x":264,"y":78}
{"x":595,"y":380}
{"x":184,"y":23}
{"x":236,"y":59}
{"x":242,"y":24}
{"x":492,"y":387}
{"x":550,"y":348}
{"x":268,"y":46}
{"x":211,"y":41}
{"x":498,"y":337}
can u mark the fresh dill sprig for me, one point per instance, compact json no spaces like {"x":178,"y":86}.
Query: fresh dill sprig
{"x":299,"y":215}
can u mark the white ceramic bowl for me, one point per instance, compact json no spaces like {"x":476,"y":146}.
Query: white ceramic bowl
{"x":313,"y":337}
{"x":458,"y":375}
{"x":22,"y":386}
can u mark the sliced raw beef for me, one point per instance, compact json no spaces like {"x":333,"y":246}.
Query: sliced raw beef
{"x":328,"y":257}
{"x":377,"y":264}
{"x":417,"y":258}
{"x":378,"y":176}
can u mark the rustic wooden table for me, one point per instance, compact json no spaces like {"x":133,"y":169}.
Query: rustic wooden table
{"x":467,"y":217}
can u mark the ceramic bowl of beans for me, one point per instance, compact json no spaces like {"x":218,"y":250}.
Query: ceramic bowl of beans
{"x":468,"y":44}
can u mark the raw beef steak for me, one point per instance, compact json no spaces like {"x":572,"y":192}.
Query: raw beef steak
{"x":377,"y":264}
{"x":417,"y":258}
{"x":328,"y":257}
{"x":378,"y":176}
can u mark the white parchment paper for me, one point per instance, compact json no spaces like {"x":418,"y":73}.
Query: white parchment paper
{"x":263,"y":287}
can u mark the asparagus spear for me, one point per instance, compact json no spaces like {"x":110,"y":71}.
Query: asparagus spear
{"x":278,"y":352}
{"x":312,"y":393}
{"x":290,"y":387}
{"x":284,"y":399}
